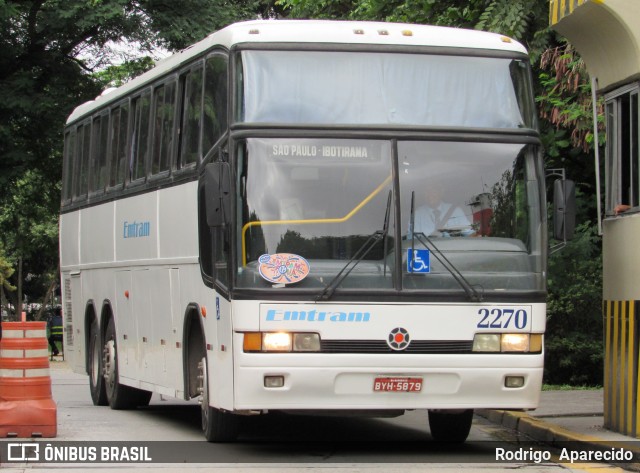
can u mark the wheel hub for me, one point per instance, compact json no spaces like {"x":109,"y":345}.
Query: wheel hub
{"x":203,"y":389}
{"x":109,"y":362}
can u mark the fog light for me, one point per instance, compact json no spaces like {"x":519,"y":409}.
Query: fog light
{"x":514,"y":381}
{"x":273,"y":381}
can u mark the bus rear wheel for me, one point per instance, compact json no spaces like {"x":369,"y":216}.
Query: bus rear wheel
{"x":450,"y":426}
{"x":217,"y":425}
{"x":119,"y":396}
{"x":96,"y":379}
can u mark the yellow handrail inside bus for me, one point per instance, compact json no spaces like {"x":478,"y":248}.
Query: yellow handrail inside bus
{"x":353,"y":211}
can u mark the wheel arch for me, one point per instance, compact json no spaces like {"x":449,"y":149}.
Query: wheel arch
{"x":89,"y":317}
{"x":193,"y":349}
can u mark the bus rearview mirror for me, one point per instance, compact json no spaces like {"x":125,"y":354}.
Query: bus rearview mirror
{"x":217,"y":189}
{"x":564,"y":209}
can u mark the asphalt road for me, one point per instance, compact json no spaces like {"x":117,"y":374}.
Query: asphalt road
{"x":168,"y":431}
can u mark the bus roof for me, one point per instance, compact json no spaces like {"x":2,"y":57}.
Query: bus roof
{"x":311,"y":31}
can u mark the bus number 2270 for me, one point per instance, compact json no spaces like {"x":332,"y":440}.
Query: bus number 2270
{"x":503,"y":318}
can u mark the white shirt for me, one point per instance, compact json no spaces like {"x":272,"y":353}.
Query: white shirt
{"x":430,"y":220}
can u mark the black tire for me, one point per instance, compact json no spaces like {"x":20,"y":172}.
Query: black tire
{"x":119,"y":396}
{"x":450,"y":427}
{"x":217,"y":425}
{"x":96,"y":378}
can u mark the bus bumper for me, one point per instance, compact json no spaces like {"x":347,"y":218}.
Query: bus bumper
{"x":328,"y":382}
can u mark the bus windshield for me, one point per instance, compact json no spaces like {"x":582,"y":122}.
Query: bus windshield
{"x":317,"y":202}
{"x":355,"y":88}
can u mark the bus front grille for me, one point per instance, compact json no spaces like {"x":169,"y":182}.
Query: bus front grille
{"x":380,"y":346}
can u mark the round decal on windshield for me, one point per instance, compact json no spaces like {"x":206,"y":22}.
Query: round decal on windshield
{"x":283,"y":268}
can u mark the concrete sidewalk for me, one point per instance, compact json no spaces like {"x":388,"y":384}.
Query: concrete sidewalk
{"x":565,"y":416}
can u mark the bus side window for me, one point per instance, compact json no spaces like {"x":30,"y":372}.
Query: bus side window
{"x":67,"y":170}
{"x":140,"y":140}
{"x":81,"y":162}
{"x":215,"y":101}
{"x":164,"y":111}
{"x":191,"y":85}
{"x":118,"y":149}
{"x":98,"y":168}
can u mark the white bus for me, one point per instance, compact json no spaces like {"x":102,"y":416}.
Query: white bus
{"x":310,"y":216}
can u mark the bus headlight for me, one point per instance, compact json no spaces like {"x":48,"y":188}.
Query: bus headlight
{"x":486,"y":342}
{"x":306,"y":342}
{"x":514,"y":342}
{"x":507,"y":343}
{"x":280,"y":342}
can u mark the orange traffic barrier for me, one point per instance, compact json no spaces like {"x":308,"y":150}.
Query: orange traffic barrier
{"x":26,"y":406}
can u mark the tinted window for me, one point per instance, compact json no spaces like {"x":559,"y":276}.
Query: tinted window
{"x":140,"y":143}
{"x":215,"y":101}
{"x":191,"y":117}
{"x":164,"y":104}
{"x":118,"y":158}
{"x":99,"y":167}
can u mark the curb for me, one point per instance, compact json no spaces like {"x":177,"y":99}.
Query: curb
{"x":548,"y":433}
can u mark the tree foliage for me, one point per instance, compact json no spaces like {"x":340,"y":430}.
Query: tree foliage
{"x":565,"y":98}
{"x":574,"y":351}
{"x":50,"y":51}
{"x":6,"y":271}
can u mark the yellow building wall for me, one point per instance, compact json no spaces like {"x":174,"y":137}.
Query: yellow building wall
{"x":606,"y":33}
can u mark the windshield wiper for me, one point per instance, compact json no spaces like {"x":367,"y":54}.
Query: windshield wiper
{"x":358,"y":256}
{"x":473,"y":294}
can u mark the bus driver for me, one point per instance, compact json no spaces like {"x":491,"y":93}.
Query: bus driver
{"x":438,"y":217}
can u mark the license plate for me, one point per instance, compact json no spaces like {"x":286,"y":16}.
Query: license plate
{"x":397,"y":385}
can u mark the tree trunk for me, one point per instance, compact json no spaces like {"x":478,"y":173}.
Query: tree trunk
{"x":19,"y":289}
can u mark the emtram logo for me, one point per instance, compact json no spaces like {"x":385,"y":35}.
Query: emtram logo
{"x":398,"y":339}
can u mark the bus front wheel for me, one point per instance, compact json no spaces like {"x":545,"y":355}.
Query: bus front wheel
{"x":450,"y":426}
{"x":217,"y":425}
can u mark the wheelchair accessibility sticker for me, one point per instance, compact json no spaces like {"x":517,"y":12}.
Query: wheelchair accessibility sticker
{"x":418,"y":261}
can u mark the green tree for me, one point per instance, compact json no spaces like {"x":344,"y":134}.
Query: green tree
{"x":447,"y":13}
{"x":50,"y":51}
{"x":574,"y":351}
{"x":6,"y":270}
{"x":31,"y":212}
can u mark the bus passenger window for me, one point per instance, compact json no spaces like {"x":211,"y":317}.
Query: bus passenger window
{"x":140,"y":142}
{"x":191,"y":117}
{"x":80,"y":182}
{"x":98,"y":173}
{"x":215,"y":101}
{"x":69,"y":158}
{"x":164,"y":104}
{"x":118,"y":150}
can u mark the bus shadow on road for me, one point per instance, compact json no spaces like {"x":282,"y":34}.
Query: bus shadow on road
{"x":301,"y":438}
